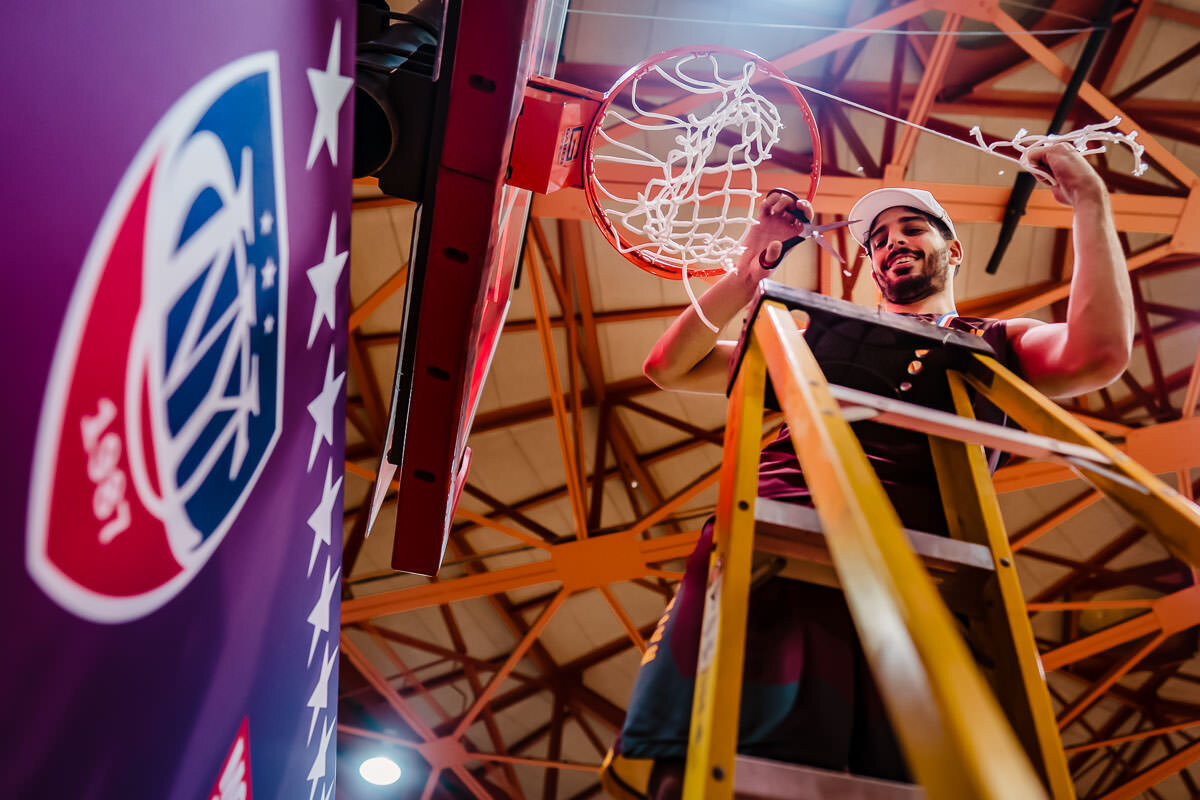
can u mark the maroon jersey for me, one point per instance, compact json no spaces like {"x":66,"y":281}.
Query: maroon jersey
{"x":901,"y":458}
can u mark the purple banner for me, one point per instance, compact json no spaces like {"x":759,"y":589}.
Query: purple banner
{"x":177,"y":200}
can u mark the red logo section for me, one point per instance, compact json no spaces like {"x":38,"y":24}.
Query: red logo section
{"x":234,"y":780}
{"x":104,"y":537}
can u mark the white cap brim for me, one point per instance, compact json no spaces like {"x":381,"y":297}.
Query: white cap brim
{"x":872,"y":204}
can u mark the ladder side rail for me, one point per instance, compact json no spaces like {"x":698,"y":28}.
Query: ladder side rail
{"x":712,"y":737}
{"x":950,"y":726}
{"x":973,"y":515}
{"x":1172,"y":518}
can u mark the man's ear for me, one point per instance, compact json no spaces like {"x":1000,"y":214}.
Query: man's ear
{"x":956,"y":252}
{"x":875,"y":277}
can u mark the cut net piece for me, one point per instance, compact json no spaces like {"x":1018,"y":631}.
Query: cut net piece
{"x":1088,"y":140}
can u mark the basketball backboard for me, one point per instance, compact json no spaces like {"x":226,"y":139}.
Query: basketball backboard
{"x":467,"y":242}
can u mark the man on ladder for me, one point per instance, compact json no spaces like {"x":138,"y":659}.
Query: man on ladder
{"x":807,"y":694}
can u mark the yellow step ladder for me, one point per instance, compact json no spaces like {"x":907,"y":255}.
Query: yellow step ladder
{"x":961,"y":737}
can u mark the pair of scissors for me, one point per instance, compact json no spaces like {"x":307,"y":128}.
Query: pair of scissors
{"x":807,"y":231}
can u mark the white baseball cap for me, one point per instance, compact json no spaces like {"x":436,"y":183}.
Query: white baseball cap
{"x":872,"y":204}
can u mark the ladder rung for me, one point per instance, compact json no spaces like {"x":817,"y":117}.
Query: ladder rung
{"x":794,"y":532}
{"x":858,"y":405}
{"x":777,"y":780}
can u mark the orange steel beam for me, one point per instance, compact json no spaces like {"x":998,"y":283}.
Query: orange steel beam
{"x":1039,"y":298}
{"x":503,"y":607}
{"x":1169,"y":615}
{"x":1114,"y":723}
{"x":667,"y":419}
{"x":963,"y":202}
{"x":511,"y":415}
{"x":810,"y":52}
{"x":489,"y":718}
{"x":517,"y":654}
{"x":392,"y":338}
{"x":577,"y":565}
{"x":1090,"y":605}
{"x":1136,"y":700}
{"x":1081,"y":748}
{"x":446,"y":654}
{"x":565,"y":443}
{"x":931,"y":84}
{"x":1157,"y":74}
{"x":487,"y":522}
{"x":1161,"y":448}
{"x":405,"y":671}
{"x":619,"y":315}
{"x":1164,"y":769}
{"x":501,"y":509}
{"x":842,"y":61}
{"x":1054,"y":519}
{"x":364,"y":203}
{"x":472,"y":755}
{"x":1115,"y":674}
{"x":1008,"y":72}
{"x":1102,"y":425}
{"x":536,"y":762}
{"x":627,"y":622}
{"x":1094,"y":563}
{"x":1177,"y":14}
{"x":560,"y":491}
{"x":586,"y":727}
{"x":627,"y":454}
{"x":570,"y":310}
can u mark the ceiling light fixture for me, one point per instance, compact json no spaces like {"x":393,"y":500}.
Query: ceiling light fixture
{"x":380,"y":770}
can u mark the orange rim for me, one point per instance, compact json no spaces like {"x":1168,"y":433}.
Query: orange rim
{"x":600,"y":216}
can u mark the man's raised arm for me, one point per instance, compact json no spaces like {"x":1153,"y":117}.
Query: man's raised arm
{"x":1091,"y":349}
{"x":688,"y":357}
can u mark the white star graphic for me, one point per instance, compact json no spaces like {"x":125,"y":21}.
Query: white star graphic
{"x":268,"y":273}
{"x":319,"y":616}
{"x":321,"y":409}
{"x":317,"y":771}
{"x":318,"y":701}
{"x":321,"y":519}
{"x":324,"y":278}
{"x":329,"y":90}
{"x":269,"y":324}
{"x":266,"y":222}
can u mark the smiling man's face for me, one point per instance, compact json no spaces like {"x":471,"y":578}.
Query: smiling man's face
{"x":910,"y":258}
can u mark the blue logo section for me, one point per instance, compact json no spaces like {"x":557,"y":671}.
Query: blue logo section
{"x":220,"y":340}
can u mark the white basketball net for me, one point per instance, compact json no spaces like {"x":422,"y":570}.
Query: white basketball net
{"x":670,"y":214}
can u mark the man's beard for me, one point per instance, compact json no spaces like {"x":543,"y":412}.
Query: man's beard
{"x":913,"y":288}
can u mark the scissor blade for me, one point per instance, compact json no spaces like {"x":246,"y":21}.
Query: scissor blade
{"x":829,"y":226}
{"x":821,"y":240}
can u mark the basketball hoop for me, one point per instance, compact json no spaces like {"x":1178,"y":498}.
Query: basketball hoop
{"x":672,"y":185}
